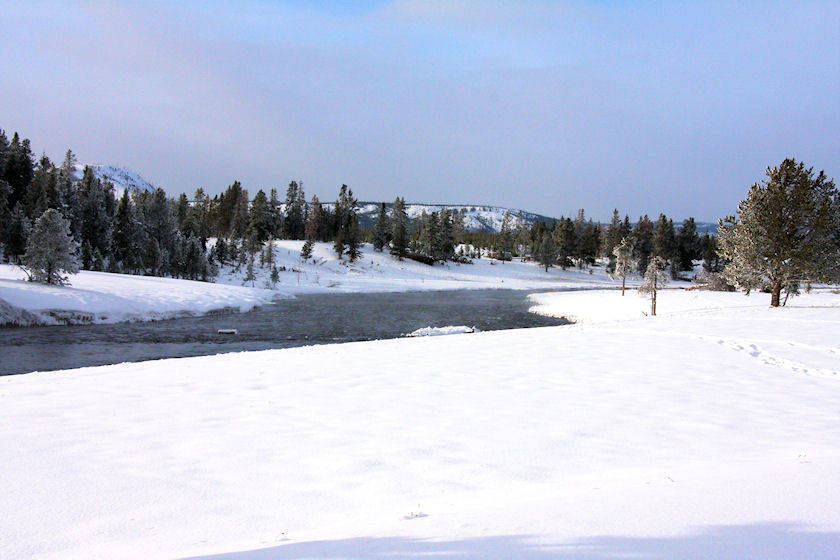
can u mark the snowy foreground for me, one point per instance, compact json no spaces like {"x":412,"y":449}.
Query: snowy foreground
{"x":710,"y":433}
{"x":100,"y":297}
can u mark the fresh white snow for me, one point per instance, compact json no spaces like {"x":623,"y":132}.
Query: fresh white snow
{"x":120,"y":177}
{"x":380,"y":272}
{"x":708,"y":433}
{"x":609,"y":305}
{"x":100,"y":297}
{"x":441,"y":331}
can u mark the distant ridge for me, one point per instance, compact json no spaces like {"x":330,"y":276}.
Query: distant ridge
{"x":477,"y":218}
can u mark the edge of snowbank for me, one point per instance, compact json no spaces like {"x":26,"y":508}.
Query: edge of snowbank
{"x":598,"y":305}
{"x":99,"y":297}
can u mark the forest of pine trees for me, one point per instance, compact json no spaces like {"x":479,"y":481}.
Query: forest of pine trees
{"x":150,"y":233}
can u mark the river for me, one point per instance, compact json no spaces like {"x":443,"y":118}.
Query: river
{"x":310,"y":319}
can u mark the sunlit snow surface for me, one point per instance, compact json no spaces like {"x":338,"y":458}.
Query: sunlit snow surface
{"x":442,"y":331}
{"x":709,"y":433}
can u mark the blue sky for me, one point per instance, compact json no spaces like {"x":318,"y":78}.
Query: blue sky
{"x":548,"y":106}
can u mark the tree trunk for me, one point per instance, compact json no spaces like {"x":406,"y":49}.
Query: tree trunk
{"x":653,"y":299}
{"x":623,"y":279}
{"x":777,"y":291}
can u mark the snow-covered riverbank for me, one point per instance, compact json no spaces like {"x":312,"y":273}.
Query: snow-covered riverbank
{"x":708,"y":434}
{"x":101,"y":297}
{"x":595,"y":306}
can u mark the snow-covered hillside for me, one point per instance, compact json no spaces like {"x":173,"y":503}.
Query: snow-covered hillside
{"x":712,"y":434}
{"x":121,"y":177}
{"x":476,"y":218}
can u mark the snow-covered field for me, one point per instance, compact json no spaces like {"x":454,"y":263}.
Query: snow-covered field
{"x":380,"y":272}
{"x":595,"y":306}
{"x":103,"y":297}
{"x":709,"y":433}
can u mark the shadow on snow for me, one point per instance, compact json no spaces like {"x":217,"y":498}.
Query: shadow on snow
{"x":766,"y":541}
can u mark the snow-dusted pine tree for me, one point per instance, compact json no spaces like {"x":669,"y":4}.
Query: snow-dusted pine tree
{"x":655,"y":279}
{"x":306,"y":250}
{"x":249,"y":272}
{"x":786,"y":232}
{"x":624,"y":263}
{"x":51,"y":250}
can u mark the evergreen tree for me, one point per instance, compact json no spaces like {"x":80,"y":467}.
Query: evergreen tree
{"x":382,"y":229}
{"x":353,"y":238}
{"x":709,"y":247}
{"x":159,"y":224}
{"x":4,"y":152}
{"x":240,"y":220}
{"x":347,"y":224}
{"x":276,"y":214}
{"x":306,"y":250}
{"x":199,"y":216}
{"x":446,"y":236}
{"x":268,"y":253}
{"x":786,"y":232}
{"x":546,"y":251}
{"x":152,"y":257}
{"x":429,"y":236}
{"x":18,"y":169}
{"x":95,"y":230}
{"x":50,"y":250}
{"x":642,"y":238}
{"x":70,"y":207}
{"x":37,"y":199}
{"x":182,"y":215}
{"x":221,"y":251}
{"x":295,"y":211}
{"x":624,"y":263}
{"x":127,"y":239}
{"x":578,"y":251}
{"x":16,"y":235}
{"x":688,"y":245}
{"x":654,"y":280}
{"x":665,"y":243}
{"x":224,"y":209}
{"x":565,"y":242}
{"x":399,"y":225}
{"x":5,"y":211}
{"x":249,"y":272}
{"x":315,"y":229}
{"x":612,"y":237}
{"x":505,"y":243}
{"x":589,"y":244}
{"x":260,"y":218}
{"x":664,"y":238}
{"x":458,"y":228}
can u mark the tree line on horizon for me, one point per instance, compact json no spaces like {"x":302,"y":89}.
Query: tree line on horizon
{"x":150,"y":233}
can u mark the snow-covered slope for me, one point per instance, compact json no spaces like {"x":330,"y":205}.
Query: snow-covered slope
{"x":709,"y":435}
{"x":476,"y":218}
{"x":121,"y":177}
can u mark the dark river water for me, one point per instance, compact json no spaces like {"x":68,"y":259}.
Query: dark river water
{"x":315,"y":319}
